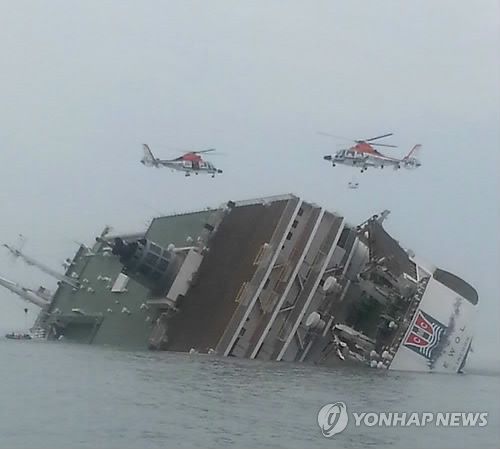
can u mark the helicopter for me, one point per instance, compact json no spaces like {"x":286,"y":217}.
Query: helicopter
{"x":190,"y":162}
{"x":364,"y":155}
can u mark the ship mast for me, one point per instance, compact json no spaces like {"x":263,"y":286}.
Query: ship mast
{"x":25,"y":293}
{"x":42,"y":267}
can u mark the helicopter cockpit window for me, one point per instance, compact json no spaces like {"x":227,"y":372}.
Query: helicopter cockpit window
{"x":187,"y":164}
{"x":341,"y":153}
{"x":203,"y":164}
{"x":350,"y":154}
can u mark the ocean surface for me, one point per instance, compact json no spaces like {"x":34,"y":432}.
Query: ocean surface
{"x":57,"y":394}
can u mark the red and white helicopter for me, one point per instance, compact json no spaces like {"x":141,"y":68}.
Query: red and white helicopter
{"x":364,"y":155}
{"x":188,"y":163}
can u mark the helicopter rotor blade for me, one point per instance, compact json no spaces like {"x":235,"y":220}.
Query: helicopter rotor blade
{"x":375,"y":138}
{"x":204,"y":151}
{"x":362,"y":141}
{"x":383,"y":145}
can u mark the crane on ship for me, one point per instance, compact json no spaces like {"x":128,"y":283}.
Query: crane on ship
{"x":17,"y":253}
{"x":40,"y":297}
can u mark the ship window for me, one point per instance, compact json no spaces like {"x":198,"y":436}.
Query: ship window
{"x":163,"y":264}
{"x":165,"y":254}
{"x":300,"y":212}
{"x":295,"y":223}
{"x":151,"y":259}
{"x":412,"y":270}
{"x":267,"y":283}
{"x":155,"y":249}
{"x":289,"y":236}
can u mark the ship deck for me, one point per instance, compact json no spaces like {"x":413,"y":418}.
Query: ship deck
{"x":210,"y":302}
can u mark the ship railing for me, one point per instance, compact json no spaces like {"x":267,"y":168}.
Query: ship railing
{"x":265,"y":200}
{"x":176,"y":213}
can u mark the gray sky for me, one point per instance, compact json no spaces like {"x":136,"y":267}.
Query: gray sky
{"x":84,"y":83}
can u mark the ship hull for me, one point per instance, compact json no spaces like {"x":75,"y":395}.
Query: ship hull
{"x":275,"y":278}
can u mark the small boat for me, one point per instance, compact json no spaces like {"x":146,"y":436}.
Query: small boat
{"x":33,"y":334}
{"x":18,"y":336}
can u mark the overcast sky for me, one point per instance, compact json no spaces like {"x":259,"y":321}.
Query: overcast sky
{"x":84,"y":83}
